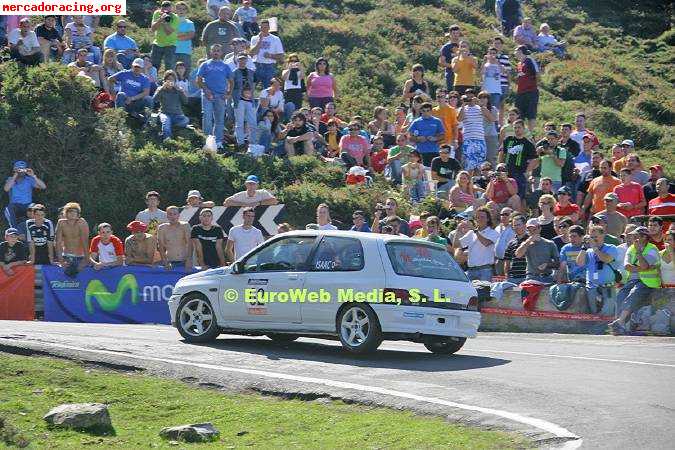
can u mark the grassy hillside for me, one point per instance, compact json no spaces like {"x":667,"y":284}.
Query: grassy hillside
{"x":621,"y":74}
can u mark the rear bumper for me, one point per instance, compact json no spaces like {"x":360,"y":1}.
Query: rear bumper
{"x":427,"y":321}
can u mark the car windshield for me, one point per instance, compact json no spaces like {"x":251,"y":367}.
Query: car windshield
{"x":415,"y":259}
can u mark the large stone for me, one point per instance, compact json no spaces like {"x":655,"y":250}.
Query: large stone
{"x":198,"y":432}
{"x":80,"y":415}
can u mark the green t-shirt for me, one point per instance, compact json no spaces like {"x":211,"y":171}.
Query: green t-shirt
{"x":548,"y":166}
{"x":436,"y":239}
{"x":395,"y":150}
{"x":609,"y":239}
{"x":161,"y":38}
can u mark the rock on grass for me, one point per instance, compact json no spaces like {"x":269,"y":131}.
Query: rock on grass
{"x":199,"y":432}
{"x":80,"y":416}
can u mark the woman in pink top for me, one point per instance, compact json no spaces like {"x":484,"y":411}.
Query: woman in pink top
{"x":321,"y":85}
{"x":355,"y":145}
{"x":462,"y":195}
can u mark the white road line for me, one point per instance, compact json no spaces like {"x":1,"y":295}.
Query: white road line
{"x":543,"y":425}
{"x":585,"y":358}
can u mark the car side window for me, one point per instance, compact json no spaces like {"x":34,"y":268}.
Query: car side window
{"x":289,"y":254}
{"x":338,"y":254}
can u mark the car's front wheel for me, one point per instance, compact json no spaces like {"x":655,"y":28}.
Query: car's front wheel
{"x":359,"y":329}
{"x":196,"y":320}
{"x":444,"y":346}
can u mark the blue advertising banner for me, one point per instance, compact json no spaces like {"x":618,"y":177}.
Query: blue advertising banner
{"x":128,"y":294}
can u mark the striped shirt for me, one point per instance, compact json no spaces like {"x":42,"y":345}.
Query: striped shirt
{"x":503,"y":59}
{"x":473,"y":123}
{"x":518,"y":267}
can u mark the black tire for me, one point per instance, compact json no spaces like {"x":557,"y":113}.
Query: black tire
{"x":282,"y":338}
{"x":190,"y":330}
{"x":370,"y":332}
{"x":444,"y":346}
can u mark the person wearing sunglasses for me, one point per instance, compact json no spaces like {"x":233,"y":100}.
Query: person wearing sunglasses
{"x":569,"y":269}
{"x":598,"y":257}
{"x":562,"y":228}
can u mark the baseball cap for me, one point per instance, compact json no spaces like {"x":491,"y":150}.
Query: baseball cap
{"x":194,"y":193}
{"x":532,"y":223}
{"x":588,"y":136}
{"x":628,"y":142}
{"x":640,"y":230}
{"x":252,"y":179}
{"x":136,"y":226}
{"x":552,"y":133}
{"x":138,"y":62}
{"x":10,"y":231}
{"x":20,"y":164}
{"x":656,"y":167}
{"x":611,"y":196}
{"x":564,"y":190}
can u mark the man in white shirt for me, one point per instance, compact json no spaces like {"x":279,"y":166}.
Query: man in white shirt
{"x":245,"y":237}
{"x":506,"y":233}
{"x":252,"y":196}
{"x":267,"y":51}
{"x":479,"y":238}
{"x":24,"y":46}
{"x":239,"y":46}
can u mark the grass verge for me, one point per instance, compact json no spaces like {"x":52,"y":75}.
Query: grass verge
{"x":141,"y":405}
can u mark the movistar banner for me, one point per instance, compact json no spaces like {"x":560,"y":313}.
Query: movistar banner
{"x":132,"y":294}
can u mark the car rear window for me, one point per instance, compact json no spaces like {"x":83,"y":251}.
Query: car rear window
{"x":414,"y":259}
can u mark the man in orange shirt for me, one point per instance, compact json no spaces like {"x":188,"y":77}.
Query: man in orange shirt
{"x":600,"y":186}
{"x":627,"y":146}
{"x":448,"y":115}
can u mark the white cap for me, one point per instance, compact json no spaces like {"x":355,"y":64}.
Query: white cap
{"x":138,"y":62}
{"x":194,"y":193}
{"x":532,"y":223}
{"x":628,"y":142}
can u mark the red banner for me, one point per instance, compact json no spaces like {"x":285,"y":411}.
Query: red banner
{"x":17,"y":294}
{"x":546,"y":314}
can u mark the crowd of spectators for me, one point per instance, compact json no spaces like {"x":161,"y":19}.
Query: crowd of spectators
{"x":551,"y":208}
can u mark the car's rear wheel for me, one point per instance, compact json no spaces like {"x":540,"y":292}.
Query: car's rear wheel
{"x":358,"y":329}
{"x":282,"y":338}
{"x":444,"y":346}
{"x":196,"y":320}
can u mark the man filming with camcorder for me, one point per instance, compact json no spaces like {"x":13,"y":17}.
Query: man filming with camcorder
{"x":20,"y":188}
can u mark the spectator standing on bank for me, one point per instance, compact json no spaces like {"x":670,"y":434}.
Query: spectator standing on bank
{"x":40,"y":237}
{"x":165,"y":26}
{"x":519,"y":155}
{"x":207,"y":240}
{"x":505,"y":77}
{"x":125,"y":47}
{"x":20,"y":187}
{"x":515,"y":267}
{"x":106,"y":250}
{"x":600,"y":186}
{"x":321,"y":85}
{"x":13,"y":252}
{"x":245,"y":237}
{"x":245,"y":124}
{"x":448,"y":52}
{"x":72,"y":240}
{"x":426,"y":131}
{"x":465,"y":66}
{"x":247,"y":16}
{"x":152,"y":216}
{"x":214,"y":77}
{"x":221,"y":31}
{"x":140,"y":246}
{"x":616,"y":221}
{"x":294,"y":81}
{"x":267,"y":51}
{"x":525,"y":35}
{"x":527,"y":94}
{"x":185,"y":35}
{"x":414,"y":178}
{"x":506,"y":234}
{"x":509,"y":14}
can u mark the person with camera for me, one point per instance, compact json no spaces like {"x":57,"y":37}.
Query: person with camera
{"x":479,"y":237}
{"x":165,"y":26}
{"x":294,"y":82}
{"x":642,"y":262}
{"x":541,"y":254}
{"x":386,"y":213}
{"x":20,"y":188}
{"x":267,"y":49}
{"x":552,"y":158}
{"x":597,"y":258}
{"x":502,"y":191}
{"x":170,"y":98}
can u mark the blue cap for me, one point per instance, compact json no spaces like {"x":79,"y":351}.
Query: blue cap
{"x":252,"y":179}
{"x":13,"y":231}
{"x":20,"y":164}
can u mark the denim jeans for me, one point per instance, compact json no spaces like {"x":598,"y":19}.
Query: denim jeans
{"x":94,"y":55}
{"x":418,"y":190}
{"x":136,"y":105}
{"x":169,"y":120}
{"x":496,"y":99}
{"x":213,"y":117}
{"x":522,"y":183}
{"x":168,"y":54}
{"x":264,"y":138}
{"x":289,"y":109}
{"x":605,"y":293}
{"x":244,"y":116}
{"x":632,"y":296}
{"x":393,"y":171}
{"x":264,"y":73}
{"x":479,"y":273}
{"x":14,"y":212}
{"x":125,"y":59}
{"x":443,"y":191}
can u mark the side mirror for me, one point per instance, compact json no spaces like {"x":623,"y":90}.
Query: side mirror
{"x":237,"y":267}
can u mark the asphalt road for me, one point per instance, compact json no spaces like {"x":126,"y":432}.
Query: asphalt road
{"x":562,"y":390}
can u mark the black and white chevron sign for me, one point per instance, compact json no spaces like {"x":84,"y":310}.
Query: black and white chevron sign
{"x":267,"y":218}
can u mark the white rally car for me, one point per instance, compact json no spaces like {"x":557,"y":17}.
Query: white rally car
{"x":360,"y":287}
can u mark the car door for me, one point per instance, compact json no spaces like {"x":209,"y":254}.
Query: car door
{"x":342,"y":269}
{"x":269,"y":279}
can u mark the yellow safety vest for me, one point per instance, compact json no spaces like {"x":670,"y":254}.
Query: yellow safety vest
{"x":650,"y":277}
